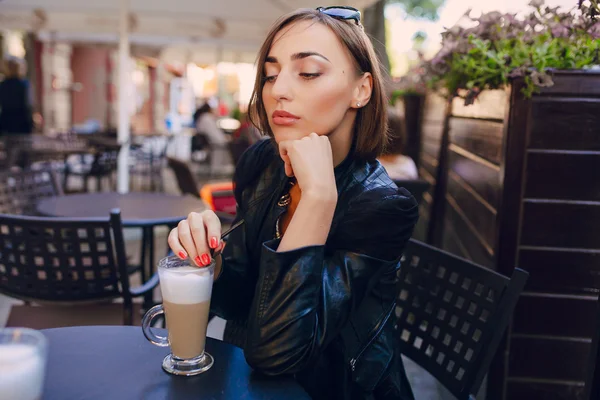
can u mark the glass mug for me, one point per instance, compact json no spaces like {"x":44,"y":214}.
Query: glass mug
{"x":186,"y":291}
{"x":23,"y":355}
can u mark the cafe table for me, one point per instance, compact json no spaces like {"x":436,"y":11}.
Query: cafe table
{"x":117,"y":362}
{"x":138,"y":210}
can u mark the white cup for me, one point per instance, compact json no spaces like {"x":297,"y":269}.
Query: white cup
{"x":23,"y":355}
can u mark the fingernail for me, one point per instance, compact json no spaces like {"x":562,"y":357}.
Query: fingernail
{"x":182,"y":255}
{"x":205,"y":259}
{"x":213,"y":242}
{"x":198,"y":261}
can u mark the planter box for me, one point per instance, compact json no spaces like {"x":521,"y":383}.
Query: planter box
{"x":518,"y":184}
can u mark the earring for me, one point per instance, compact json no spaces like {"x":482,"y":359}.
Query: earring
{"x":357,"y":104}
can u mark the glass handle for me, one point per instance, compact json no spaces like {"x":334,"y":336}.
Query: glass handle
{"x":150,"y":315}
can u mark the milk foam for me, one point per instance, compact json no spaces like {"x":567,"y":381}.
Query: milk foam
{"x":21,"y":372}
{"x":185,"y":285}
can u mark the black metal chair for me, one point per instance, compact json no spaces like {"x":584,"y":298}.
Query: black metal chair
{"x":56,"y":262}
{"x":102,"y":164}
{"x":21,"y":190}
{"x":416,"y":187}
{"x":147,"y":160}
{"x":188,"y":185}
{"x":452,"y":314}
{"x":185,"y":179}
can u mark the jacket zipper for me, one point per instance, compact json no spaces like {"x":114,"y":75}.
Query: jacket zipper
{"x":373,"y":337}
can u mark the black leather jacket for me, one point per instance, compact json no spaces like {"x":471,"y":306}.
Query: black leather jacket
{"x":322,"y":313}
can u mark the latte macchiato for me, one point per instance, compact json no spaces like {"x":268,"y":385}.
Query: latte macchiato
{"x":186,"y":292}
{"x":186,"y":295}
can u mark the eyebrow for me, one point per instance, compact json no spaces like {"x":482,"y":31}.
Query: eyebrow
{"x":298,"y":56}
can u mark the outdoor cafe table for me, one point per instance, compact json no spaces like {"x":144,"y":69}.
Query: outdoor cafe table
{"x":117,"y":362}
{"x":140,"y":210}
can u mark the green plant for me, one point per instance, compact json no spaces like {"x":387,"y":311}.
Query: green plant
{"x":500,"y":47}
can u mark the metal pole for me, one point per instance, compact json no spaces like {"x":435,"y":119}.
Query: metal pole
{"x":124,"y":82}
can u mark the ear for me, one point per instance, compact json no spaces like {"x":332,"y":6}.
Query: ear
{"x":362,"y":91}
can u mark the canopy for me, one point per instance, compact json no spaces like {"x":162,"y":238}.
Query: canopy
{"x":235,"y":27}
{"x":234,"y":24}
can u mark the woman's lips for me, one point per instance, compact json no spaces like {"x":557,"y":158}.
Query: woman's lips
{"x":284,"y":118}
{"x":284,"y":121}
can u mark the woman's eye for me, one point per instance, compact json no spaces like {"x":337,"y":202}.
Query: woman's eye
{"x":270,"y":78}
{"x":308,"y":76}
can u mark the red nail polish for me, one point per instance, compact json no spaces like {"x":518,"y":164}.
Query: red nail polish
{"x":205,"y":259}
{"x":213,"y":242}
{"x":198,"y":261}
{"x":182,"y":255}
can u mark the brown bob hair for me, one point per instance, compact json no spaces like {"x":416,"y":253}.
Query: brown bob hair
{"x":370,"y":126}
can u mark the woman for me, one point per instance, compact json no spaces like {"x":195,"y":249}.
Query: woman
{"x":15,"y":101}
{"x":206,"y":125}
{"x":312,"y":270}
{"x":397,"y":165}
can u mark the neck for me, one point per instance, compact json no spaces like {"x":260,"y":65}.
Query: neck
{"x":388,"y":157}
{"x":341,"y":138}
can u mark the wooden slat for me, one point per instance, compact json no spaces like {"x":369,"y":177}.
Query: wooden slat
{"x":583,"y":83}
{"x":430,"y":166}
{"x":457,"y":227}
{"x":432,"y":130}
{"x":561,"y":225}
{"x":544,"y":390}
{"x":452,"y":243}
{"x":564,"y":123}
{"x":479,"y":213}
{"x":431,"y":147}
{"x":483,"y":138}
{"x":548,"y":359}
{"x":435,"y":107}
{"x":563,"y":176}
{"x":555,"y":316}
{"x":567,"y":272}
{"x":420,"y":232}
{"x":490,"y":104}
{"x":483,"y":179}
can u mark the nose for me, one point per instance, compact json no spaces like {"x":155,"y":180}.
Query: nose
{"x":281,"y":89}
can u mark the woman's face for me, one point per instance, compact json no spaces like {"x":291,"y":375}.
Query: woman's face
{"x":310,"y":83}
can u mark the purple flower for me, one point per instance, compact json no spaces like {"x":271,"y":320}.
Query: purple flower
{"x":517,"y":72}
{"x":542,"y":79}
{"x":537,"y":3}
{"x":511,"y":19}
{"x":594,"y":30}
{"x":559,"y":31}
{"x":472,"y":96}
{"x":490,"y":18}
{"x":455,"y":31}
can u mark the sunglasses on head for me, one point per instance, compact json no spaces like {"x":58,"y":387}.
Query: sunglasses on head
{"x":341,"y":12}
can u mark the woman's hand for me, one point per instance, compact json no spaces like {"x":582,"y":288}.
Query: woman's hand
{"x":196,"y":236}
{"x":310,"y":160}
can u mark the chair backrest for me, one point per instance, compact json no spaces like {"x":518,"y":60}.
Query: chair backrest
{"x":416,"y":187}
{"x":63,"y":259}
{"x":219,"y":196}
{"x":452,"y":314}
{"x":20,"y":191}
{"x":185,"y":179}
{"x":105,"y":160}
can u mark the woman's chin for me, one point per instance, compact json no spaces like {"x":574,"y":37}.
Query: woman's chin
{"x":282,"y":134}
